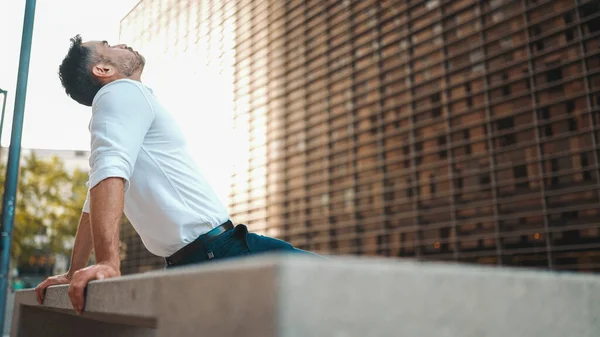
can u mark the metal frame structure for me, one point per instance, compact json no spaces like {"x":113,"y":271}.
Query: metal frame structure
{"x":342,"y":103}
{"x":300,"y":16}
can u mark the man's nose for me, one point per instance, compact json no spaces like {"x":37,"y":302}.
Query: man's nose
{"x":122,"y":46}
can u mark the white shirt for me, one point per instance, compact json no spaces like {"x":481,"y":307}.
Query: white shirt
{"x":167,"y":200}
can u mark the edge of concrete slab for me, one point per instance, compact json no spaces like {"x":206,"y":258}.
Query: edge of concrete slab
{"x":296,"y":295}
{"x":379,"y":297}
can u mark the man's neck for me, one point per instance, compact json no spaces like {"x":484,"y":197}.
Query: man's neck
{"x":137,"y":76}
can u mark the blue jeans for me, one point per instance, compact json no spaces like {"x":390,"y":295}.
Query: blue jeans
{"x":238,"y":242}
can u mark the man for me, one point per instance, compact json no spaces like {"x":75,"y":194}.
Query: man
{"x":140,"y":166}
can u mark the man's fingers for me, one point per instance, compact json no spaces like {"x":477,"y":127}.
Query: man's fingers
{"x":39,"y":291}
{"x":80,"y":280}
{"x":76,"y":295}
{"x":77,"y":288}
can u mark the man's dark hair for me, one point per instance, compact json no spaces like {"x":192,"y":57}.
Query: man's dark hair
{"x":75,"y":73}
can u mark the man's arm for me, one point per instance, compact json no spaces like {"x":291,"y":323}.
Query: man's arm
{"x":80,"y":256}
{"x":82,"y":248}
{"x":106,"y":210}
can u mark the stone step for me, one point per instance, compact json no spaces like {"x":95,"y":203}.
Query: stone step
{"x":300,"y":296}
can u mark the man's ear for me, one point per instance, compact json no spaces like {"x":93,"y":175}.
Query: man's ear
{"x":103,"y":70}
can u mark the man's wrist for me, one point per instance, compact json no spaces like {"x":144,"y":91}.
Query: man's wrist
{"x":115,"y":264}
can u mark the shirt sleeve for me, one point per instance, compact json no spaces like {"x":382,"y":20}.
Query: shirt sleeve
{"x":121,"y":117}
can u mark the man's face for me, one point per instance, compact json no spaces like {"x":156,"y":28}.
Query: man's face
{"x":124,"y":61}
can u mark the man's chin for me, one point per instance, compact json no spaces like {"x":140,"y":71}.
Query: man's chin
{"x":142,"y":64}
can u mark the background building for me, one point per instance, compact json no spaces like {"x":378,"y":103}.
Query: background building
{"x":449,"y":130}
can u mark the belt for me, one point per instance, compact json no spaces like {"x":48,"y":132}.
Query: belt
{"x":199,"y":244}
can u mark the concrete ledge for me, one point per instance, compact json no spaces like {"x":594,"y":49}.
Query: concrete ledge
{"x":300,"y":296}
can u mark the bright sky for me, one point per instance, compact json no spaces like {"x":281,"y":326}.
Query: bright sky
{"x":54,"y":121}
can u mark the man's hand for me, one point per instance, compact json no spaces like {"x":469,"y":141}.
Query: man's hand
{"x":82,"y":277}
{"x":40,"y":290}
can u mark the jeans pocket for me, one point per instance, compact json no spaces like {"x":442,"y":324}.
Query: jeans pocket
{"x":260,"y":243}
{"x":230,"y":244}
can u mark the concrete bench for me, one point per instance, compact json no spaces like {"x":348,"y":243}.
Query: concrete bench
{"x":295,"y":296}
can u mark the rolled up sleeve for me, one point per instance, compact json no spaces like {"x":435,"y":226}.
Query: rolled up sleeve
{"x":121,"y":118}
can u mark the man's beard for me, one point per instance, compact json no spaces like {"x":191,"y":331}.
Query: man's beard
{"x":142,"y":63}
{"x":132,"y":64}
{"x":141,"y":60}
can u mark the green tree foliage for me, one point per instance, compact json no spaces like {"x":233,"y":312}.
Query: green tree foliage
{"x":49,"y":201}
